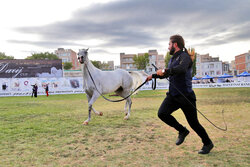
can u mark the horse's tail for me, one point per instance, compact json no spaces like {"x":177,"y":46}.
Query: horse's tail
{"x":138,"y":79}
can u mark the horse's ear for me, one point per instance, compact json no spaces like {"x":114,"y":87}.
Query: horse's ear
{"x":87,"y":49}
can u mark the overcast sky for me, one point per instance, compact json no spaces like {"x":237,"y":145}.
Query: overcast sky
{"x":109,"y":27}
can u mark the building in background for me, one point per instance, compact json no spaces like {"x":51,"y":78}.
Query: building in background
{"x":68,"y":55}
{"x":232,"y":68}
{"x":156,"y":59}
{"x":72,"y":73}
{"x":208,"y":65}
{"x":127,"y":62}
{"x":242,"y":62}
{"x":226,"y":68}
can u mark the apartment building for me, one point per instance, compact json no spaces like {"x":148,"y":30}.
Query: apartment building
{"x":214,"y":69}
{"x":126,"y":61}
{"x":68,"y":55}
{"x":156,"y":59}
{"x":208,"y":65}
{"x":242,"y":62}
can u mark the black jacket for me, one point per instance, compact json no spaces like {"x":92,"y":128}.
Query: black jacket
{"x":180,"y":73}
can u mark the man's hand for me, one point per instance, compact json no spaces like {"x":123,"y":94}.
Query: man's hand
{"x":149,"y":78}
{"x":160,"y":72}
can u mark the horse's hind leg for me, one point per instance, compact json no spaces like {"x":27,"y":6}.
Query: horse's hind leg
{"x":126,"y":105}
{"x":124,"y":94}
{"x":129,"y":102}
{"x":120,"y":92}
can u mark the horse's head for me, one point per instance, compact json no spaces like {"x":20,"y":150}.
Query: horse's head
{"x":82,"y":55}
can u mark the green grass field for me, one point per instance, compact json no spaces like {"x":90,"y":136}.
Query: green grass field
{"x":49,"y":131}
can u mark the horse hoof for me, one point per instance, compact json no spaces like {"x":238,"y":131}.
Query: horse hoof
{"x":101,"y":114}
{"x":126,"y":114}
{"x":85,"y":123}
{"x":126,"y":118}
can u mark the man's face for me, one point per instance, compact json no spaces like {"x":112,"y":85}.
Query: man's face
{"x":171,"y":48}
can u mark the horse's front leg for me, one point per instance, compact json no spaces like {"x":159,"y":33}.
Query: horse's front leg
{"x":97,"y":112}
{"x":91,"y":102}
{"x":89,"y":96}
{"x":86,"y":122}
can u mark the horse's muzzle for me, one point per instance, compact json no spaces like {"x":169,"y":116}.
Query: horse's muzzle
{"x":80,"y":59}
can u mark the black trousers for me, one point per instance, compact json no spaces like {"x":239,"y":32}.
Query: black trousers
{"x":34,"y":93}
{"x":172,"y":103}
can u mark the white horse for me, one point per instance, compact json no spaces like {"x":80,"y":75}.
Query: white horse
{"x":118,"y":81}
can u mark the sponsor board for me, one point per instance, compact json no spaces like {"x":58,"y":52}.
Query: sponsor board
{"x":165,"y":85}
{"x":222,"y":85}
{"x":22,"y":68}
{"x":23,"y":86}
{"x":74,"y":85}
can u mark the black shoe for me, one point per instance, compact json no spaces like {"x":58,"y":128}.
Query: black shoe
{"x":206,"y":148}
{"x":181,"y":137}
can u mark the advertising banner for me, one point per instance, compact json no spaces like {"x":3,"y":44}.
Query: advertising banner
{"x":22,"y":68}
{"x":222,"y":85}
{"x":23,"y":86}
{"x":74,"y":85}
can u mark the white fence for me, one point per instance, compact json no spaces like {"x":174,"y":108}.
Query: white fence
{"x":74,"y":85}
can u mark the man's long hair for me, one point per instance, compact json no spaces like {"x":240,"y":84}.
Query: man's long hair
{"x":181,"y":44}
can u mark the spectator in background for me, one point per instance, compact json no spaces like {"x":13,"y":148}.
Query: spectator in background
{"x":47,"y":89}
{"x":4,"y":86}
{"x":211,"y":80}
{"x":34,"y":90}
